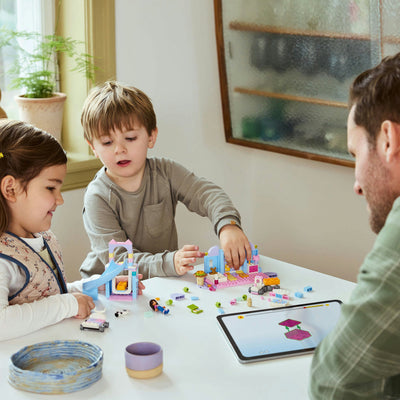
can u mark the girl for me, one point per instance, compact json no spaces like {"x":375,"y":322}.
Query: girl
{"x":33,"y":289}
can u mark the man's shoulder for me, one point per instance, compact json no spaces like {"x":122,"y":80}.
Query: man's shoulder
{"x":389,"y":236}
{"x":395,"y":212}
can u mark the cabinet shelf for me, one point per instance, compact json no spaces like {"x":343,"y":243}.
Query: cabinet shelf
{"x":391,"y":39}
{"x":289,"y":97}
{"x":247,"y":27}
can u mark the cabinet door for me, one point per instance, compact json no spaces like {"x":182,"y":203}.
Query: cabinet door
{"x":286,"y":67}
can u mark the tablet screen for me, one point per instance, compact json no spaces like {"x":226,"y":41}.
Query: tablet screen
{"x":279,"y":332}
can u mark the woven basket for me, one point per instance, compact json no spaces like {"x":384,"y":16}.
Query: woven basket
{"x":56,"y":367}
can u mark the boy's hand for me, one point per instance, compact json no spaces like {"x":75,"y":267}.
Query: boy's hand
{"x":235,"y":245}
{"x":141,"y":286}
{"x":186,"y":257}
{"x":85,"y":305}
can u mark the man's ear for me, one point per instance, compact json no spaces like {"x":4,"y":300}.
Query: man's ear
{"x":153,"y":138}
{"x":390,"y":140}
{"x":8,"y":187}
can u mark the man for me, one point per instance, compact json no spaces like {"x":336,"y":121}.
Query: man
{"x":360,"y":358}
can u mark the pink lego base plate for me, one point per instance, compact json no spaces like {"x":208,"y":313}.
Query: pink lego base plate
{"x":246,"y":279}
{"x":121,"y":297}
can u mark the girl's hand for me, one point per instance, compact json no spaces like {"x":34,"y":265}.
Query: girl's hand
{"x":85,"y":305}
{"x":186,"y":257}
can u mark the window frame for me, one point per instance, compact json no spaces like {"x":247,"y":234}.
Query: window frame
{"x":92,"y":22}
{"x":31,"y":16}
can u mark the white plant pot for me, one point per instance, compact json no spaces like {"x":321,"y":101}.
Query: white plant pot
{"x":2,"y":112}
{"x":46,"y":114}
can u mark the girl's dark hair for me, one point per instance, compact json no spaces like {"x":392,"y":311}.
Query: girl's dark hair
{"x":24,"y":152}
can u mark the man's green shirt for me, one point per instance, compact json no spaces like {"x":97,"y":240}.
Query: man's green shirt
{"x":360,"y":358}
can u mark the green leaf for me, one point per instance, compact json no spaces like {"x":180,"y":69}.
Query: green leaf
{"x":34,"y":70}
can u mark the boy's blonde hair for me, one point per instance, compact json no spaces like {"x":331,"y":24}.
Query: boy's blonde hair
{"x":116,"y":106}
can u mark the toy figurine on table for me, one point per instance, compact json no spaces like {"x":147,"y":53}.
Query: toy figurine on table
{"x":156,"y":307}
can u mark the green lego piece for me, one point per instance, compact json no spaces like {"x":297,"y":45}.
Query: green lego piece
{"x":194,"y":309}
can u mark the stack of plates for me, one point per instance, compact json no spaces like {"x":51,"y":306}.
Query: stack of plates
{"x":56,"y":367}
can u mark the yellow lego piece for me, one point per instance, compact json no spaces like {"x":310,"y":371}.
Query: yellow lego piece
{"x":122,"y":285}
{"x":271,"y":281}
{"x":230,"y":277}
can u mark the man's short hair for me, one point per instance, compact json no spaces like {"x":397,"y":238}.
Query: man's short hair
{"x":376,"y":96}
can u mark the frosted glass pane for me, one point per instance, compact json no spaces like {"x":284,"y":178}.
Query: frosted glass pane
{"x":292,"y":125}
{"x":390,"y":30}
{"x":290,"y":63}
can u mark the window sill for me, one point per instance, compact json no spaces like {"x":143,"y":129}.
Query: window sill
{"x":81,"y":169}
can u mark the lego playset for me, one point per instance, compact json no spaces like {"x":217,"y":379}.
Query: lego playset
{"x":218,"y":275}
{"x":117,"y":287}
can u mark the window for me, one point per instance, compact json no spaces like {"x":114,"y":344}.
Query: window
{"x":91,"y":21}
{"x":23,"y":15}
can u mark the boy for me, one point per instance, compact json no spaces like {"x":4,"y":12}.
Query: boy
{"x":135,"y":197}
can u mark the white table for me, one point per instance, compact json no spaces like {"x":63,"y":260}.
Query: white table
{"x":198,"y":362}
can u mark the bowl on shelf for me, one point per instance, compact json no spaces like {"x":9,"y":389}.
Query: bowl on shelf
{"x":307,"y":53}
{"x":260,"y":51}
{"x":338,"y":59}
{"x":251,"y":127}
{"x":281,"y":52}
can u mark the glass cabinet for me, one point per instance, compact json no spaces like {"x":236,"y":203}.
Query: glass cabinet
{"x":286,"y":67}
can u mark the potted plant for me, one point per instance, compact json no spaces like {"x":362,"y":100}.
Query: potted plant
{"x":35,"y":72}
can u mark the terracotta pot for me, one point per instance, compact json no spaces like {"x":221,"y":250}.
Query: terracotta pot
{"x":46,"y":114}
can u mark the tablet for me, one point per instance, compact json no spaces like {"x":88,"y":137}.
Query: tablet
{"x":279,"y":332}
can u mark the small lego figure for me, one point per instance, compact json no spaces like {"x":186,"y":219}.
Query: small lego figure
{"x":122,"y":312}
{"x":156,"y":307}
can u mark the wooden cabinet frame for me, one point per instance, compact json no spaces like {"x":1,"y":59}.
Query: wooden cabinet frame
{"x":243,"y":26}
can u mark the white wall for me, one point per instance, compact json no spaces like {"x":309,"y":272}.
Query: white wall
{"x":296,"y":210}
{"x":68,"y":226}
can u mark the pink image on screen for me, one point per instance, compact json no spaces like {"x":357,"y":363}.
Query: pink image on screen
{"x":290,"y":323}
{"x":297,"y":334}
